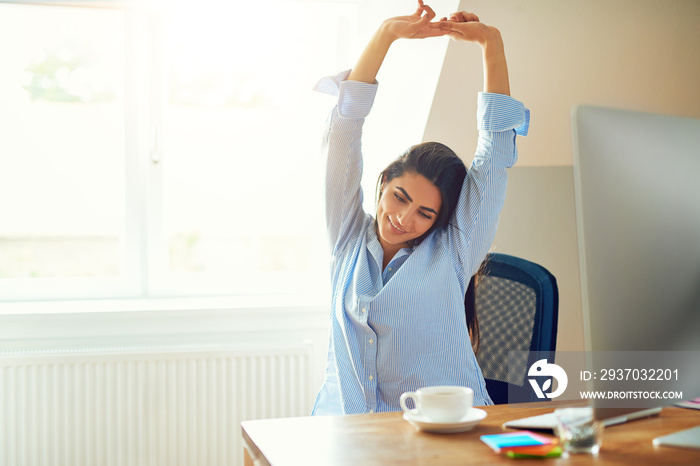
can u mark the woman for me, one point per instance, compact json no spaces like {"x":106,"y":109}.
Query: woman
{"x":398,"y":281}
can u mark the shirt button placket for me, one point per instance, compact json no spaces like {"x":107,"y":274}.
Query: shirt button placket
{"x":370,"y":364}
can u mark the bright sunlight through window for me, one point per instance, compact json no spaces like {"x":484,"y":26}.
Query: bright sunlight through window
{"x":165,"y":151}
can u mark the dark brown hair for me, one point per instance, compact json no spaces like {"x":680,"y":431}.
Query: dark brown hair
{"x":470,"y":307}
{"x":439,"y":165}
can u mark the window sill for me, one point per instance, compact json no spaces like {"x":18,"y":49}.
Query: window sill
{"x":281,"y":303}
{"x":167,"y":322}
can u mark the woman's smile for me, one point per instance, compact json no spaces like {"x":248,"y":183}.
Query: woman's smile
{"x":408,"y":207}
{"x":396,"y":228}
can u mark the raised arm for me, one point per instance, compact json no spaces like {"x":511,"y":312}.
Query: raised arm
{"x":466,"y":26}
{"x":499,"y":119}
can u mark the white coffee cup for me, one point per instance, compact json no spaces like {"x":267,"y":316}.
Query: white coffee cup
{"x":440,"y":404}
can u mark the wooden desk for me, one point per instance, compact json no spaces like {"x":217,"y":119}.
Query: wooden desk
{"x":387,"y":439}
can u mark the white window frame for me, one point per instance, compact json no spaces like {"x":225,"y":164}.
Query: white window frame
{"x":130,"y":282}
{"x":144,"y":257}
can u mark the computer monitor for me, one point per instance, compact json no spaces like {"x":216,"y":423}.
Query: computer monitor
{"x":637,"y":183}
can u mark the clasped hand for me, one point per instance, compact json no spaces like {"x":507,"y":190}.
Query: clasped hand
{"x":459,"y":26}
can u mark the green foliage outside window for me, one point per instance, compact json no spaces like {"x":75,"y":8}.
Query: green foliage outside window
{"x":64,"y":76}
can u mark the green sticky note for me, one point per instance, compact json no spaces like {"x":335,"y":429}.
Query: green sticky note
{"x":553,"y":453}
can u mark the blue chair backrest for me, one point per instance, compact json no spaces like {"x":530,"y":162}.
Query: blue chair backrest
{"x":517,"y":304}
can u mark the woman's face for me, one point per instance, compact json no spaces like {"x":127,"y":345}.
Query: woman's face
{"x":408,"y":207}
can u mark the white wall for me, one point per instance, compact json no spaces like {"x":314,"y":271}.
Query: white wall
{"x":633,"y":54}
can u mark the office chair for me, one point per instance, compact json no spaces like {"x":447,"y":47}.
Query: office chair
{"x":517,"y":305}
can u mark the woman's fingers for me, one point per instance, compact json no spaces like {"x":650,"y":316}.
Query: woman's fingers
{"x":463,"y":17}
{"x":420,"y":24}
{"x":423,"y":8}
{"x":470,"y":30}
{"x":430,"y":14}
{"x":419,"y":11}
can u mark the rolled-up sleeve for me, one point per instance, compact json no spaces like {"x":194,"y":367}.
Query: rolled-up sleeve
{"x":355,"y":98}
{"x":343,"y":148}
{"x":499,"y":112}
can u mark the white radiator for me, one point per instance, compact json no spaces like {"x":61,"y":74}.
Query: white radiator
{"x":144,"y":406}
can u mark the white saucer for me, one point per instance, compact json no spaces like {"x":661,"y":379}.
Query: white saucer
{"x":469,"y":421}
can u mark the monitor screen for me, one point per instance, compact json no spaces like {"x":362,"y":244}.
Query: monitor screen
{"x":637,"y":182}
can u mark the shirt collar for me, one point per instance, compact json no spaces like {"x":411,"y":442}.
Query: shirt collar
{"x":375,"y":248}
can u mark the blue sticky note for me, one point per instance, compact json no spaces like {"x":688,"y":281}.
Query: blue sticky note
{"x":514,"y":439}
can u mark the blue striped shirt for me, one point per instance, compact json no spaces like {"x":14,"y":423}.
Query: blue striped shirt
{"x":402,"y":328}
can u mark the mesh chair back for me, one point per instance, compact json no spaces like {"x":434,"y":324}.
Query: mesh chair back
{"x":517,"y":304}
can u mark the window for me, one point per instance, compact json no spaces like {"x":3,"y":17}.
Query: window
{"x":165,"y":151}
